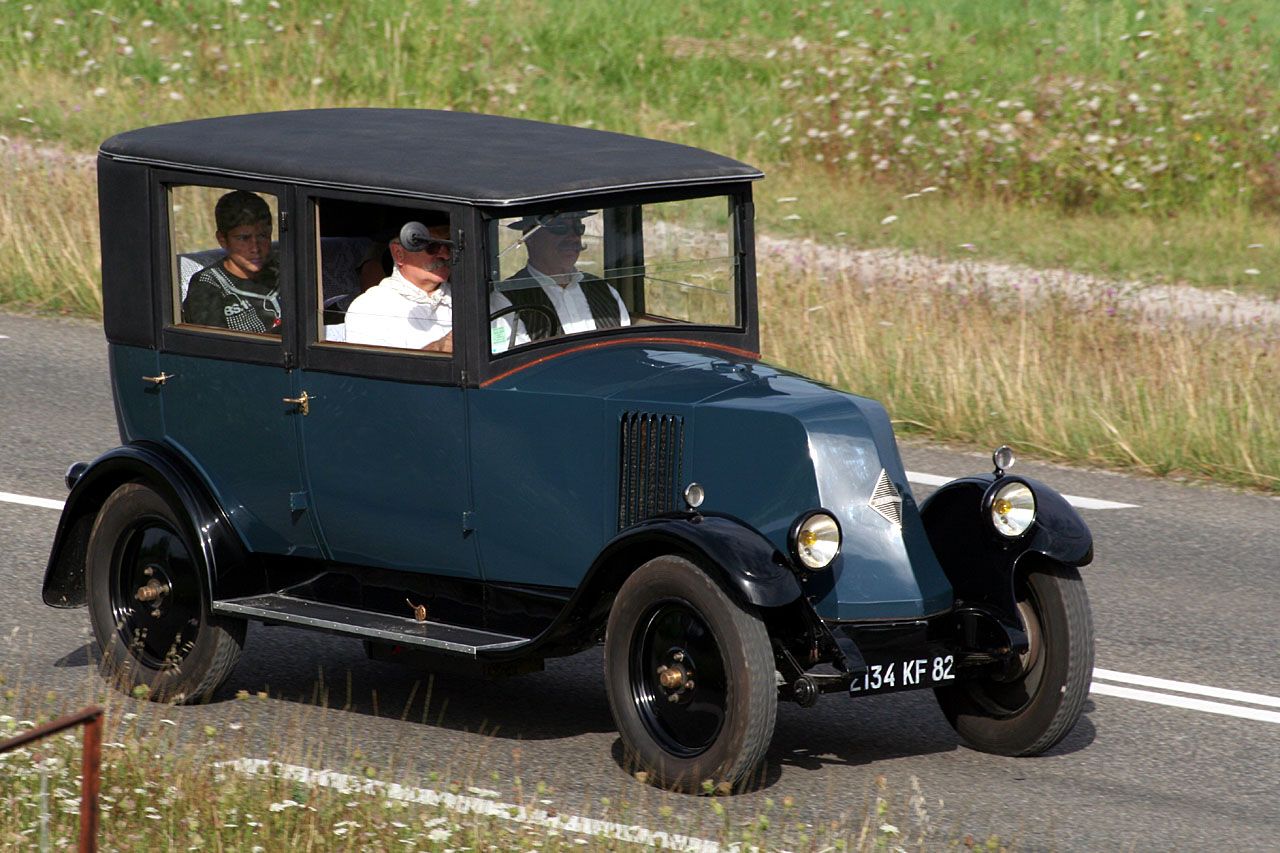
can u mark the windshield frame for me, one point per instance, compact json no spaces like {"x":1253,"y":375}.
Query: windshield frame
{"x":741,"y":338}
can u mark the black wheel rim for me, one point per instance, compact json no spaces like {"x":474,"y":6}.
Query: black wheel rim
{"x":155,"y":597}
{"x":1009,"y":698}
{"x":678,"y":679}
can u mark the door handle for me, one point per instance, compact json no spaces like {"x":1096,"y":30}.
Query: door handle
{"x":302,"y":401}
{"x":158,"y":380}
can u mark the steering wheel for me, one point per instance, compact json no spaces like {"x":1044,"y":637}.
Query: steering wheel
{"x":546,"y":324}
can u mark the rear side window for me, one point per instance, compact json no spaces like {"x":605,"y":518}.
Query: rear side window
{"x":226,"y":264}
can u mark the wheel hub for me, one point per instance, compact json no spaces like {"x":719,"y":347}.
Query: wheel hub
{"x":675,"y":675}
{"x":152,"y":593}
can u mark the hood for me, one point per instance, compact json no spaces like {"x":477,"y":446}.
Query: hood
{"x":767,"y":445}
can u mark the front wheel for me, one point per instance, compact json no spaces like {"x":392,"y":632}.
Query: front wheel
{"x":147,"y":601}
{"x":690,"y":677}
{"x":1036,"y":708}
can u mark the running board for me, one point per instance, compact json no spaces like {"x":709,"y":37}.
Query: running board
{"x":353,"y":622}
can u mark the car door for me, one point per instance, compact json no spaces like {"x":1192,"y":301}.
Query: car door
{"x":384,"y":440}
{"x":225,"y":392}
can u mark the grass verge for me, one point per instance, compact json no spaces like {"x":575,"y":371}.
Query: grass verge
{"x":170,"y":783}
{"x":1095,"y":385}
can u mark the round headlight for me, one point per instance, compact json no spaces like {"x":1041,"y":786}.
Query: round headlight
{"x":816,"y":540}
{"x":1013,"y":509}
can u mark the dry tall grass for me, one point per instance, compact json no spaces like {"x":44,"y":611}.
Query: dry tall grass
{"x":1094,"y":385}
{"x":49,"y":256}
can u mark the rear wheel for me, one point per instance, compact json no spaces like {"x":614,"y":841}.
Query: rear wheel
{"x":147,"y":601}
{"x":690,"y":677}
{"x":1032,"y":711}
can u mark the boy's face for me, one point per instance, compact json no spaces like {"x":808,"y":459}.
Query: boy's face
{"x":248,"y":248}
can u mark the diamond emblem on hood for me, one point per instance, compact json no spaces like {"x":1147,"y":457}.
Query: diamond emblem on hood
{"x":886,"y":500}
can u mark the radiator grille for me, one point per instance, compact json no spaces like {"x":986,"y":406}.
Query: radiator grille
{"x":652,"y":455}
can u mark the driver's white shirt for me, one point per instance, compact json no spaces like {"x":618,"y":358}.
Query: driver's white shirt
{"x":571,"y":303}
{"x":397,"y":313}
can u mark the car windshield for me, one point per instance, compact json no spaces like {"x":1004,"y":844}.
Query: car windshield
{"x":571,"y":269}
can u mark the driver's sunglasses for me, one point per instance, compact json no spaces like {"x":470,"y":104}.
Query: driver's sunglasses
{"x":435,"y":247}
{"x":561,"y":227}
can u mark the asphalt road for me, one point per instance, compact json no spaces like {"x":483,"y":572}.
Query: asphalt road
{"x":1184,"y":587}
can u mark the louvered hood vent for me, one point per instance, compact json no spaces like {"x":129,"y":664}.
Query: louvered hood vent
{"x":886,"y":500}
{"x":652,"y":455}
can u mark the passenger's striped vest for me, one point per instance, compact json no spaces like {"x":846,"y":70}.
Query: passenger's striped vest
{"x":527,"y":292}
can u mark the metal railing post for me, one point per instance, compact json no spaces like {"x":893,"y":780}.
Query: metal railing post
{"x":91,"y":719}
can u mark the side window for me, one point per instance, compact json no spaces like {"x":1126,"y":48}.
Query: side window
{"x":226,"y":266}
{"x":383,"y":276}
{"x":570,"y":271}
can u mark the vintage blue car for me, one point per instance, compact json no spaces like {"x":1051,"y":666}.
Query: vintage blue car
{"x":481,"y":391}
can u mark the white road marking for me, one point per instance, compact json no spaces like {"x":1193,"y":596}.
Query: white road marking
{"x":912,"y":476}
{"x":10,"y":497}
{"x":1188,"y":687}
{"x":1074,"y":500}
{"x":545,"y":819}
{"x":1203,"y":705}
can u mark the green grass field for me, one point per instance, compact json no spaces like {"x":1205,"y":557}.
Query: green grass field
{"x":1132,"y":139}
{"x":1047,"y":127}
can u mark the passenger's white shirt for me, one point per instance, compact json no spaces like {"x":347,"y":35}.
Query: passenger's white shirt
{"x":571,"y":303}
{"x":397,"y":313}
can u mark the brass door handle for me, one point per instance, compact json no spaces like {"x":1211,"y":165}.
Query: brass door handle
{"x":158,"y":380}
{"x":302,"y":401}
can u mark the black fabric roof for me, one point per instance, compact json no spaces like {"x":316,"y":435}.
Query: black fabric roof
{"x":481,"y":159}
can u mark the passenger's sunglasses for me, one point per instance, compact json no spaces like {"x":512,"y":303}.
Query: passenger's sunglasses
{"x":415,"y":238}
{"x":561,"y":227}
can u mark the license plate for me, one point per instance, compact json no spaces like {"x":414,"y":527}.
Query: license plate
{"x":908,"y":674}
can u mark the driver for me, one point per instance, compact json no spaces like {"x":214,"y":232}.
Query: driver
{"x":551,"y":280}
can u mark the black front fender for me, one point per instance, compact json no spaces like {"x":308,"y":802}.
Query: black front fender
{"x":738,"y":556}
{"x":168,"y":475}
{"x":740,"y":559}
{"x":981,"y":564}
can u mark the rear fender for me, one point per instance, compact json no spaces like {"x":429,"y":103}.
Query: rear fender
{"x":167,"y":474}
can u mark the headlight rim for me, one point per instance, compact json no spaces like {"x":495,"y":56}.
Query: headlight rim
{"x":793,"y":538}
{"x":989,"y":499}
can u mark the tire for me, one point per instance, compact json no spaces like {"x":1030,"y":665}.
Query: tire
{"x":670,"y":614}
{"x":1033,"y":711}
{"x":172,"y":645}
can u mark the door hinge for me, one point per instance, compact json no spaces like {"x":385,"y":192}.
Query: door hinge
{"x":284,"y":221}
{"x":468,"y":522}
{"x":297,"y":501}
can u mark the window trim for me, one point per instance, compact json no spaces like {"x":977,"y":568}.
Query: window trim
{"x":172,"y":335}
{"x":378,"y":362}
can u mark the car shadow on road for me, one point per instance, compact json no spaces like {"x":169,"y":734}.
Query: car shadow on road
{"x":860,"y":732}
{"x":565,"y":700}
{"x":568,"y":700}
{"x":83,"y":656}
